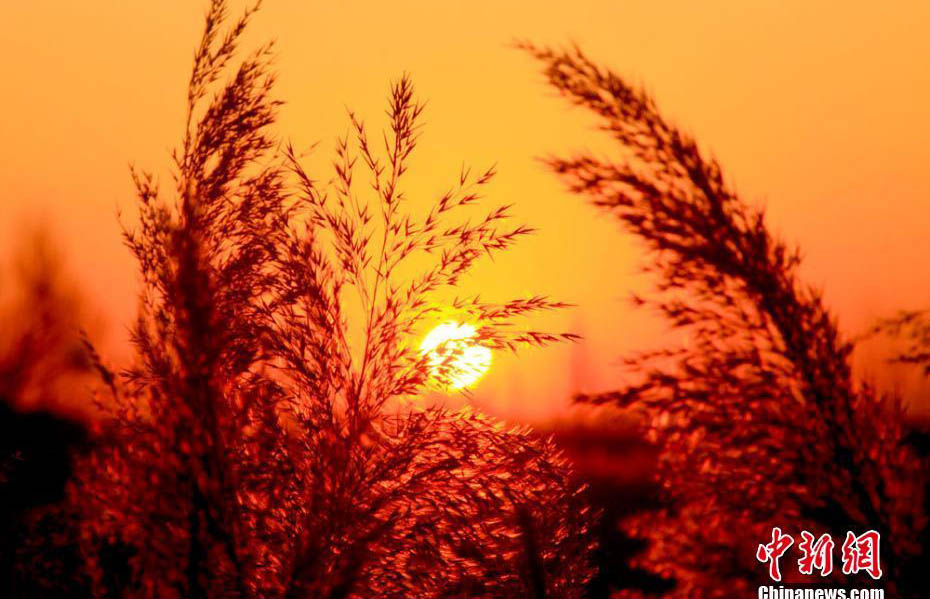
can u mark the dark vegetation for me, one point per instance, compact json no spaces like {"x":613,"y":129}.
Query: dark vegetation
{"x":257,"y":451}
{"x":758,"y":419}
{"x":41,"y":360}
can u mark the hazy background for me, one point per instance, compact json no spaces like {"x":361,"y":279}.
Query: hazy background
{"x":819,"y":110}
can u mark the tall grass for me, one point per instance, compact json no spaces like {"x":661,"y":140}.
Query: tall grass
{"x":759,"y":419}
{"x":256,"y":448}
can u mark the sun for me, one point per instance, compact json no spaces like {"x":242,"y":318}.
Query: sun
{"x":453,"y":356}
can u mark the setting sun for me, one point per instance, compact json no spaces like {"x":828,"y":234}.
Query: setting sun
{"x":454,"y":357}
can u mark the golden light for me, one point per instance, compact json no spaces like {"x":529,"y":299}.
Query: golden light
{"x":454,"y":357}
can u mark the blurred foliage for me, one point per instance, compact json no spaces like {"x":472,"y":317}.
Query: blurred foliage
{"x":42,"y":363}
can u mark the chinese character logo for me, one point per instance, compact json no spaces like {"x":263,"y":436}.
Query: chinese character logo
{"x":859,"y":553}
{"x":772,"y":552}
{"x":816,"y":555}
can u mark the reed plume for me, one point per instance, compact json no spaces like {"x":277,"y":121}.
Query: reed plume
{"x":258,"y":449}
{"x":759,"y":420}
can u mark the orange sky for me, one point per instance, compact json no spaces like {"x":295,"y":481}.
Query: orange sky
{"x":819,"y":110}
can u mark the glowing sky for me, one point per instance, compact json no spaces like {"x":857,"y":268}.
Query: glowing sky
{"x":820,"y":110}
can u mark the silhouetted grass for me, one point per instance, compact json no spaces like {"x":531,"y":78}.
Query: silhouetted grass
{"x":256,"y":448}
{"x":759,"y":419}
